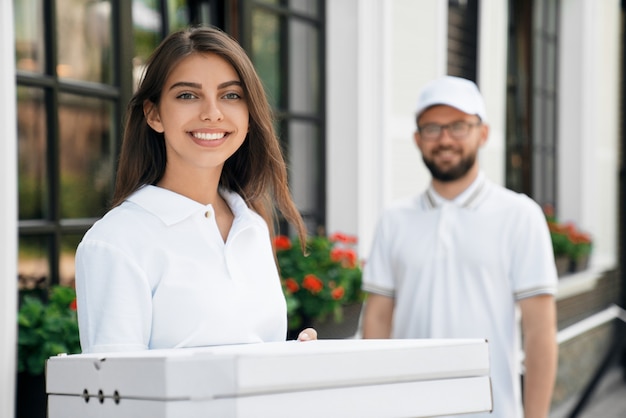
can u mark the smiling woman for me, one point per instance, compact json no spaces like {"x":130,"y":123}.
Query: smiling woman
{"x":185,"y":258}
{"x":203,"y":116}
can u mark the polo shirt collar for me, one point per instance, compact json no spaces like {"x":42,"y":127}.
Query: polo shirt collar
{"x":172,"y":207}
{"x":469,"y":198}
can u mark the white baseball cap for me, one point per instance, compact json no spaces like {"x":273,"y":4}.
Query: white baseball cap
{"x":456,"y":92}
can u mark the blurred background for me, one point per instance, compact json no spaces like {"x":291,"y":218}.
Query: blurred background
{"x":343,"y":78}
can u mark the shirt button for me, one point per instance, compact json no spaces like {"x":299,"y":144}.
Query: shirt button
{"x":207,"y":214}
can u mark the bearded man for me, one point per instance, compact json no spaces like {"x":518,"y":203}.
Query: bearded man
{"x":461,"y":259}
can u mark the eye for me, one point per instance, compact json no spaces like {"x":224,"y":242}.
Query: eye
{"x":186,"y":96}
{"x":459,"y":127}
{"x":232,"y":96}
{"x":430,"y":129}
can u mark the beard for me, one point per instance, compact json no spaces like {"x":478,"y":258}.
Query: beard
{"x":450,"y":173}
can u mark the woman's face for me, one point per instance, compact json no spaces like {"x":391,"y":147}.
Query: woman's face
{"x":202,"y":113}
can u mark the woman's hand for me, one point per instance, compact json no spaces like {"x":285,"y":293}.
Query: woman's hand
{"x":308,"y":334}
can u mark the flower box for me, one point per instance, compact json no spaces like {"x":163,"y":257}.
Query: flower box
{"x":572,"y":247}
{"x":319,"y":284}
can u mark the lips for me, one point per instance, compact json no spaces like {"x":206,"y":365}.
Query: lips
{"x":445,"y":153}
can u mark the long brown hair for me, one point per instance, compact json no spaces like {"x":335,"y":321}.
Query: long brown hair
{"x":257,"y":170}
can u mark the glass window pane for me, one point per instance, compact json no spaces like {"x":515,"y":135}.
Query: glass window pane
{"x":32,"y":146}
{"x":550,"y":181}
{"x":304,"y":162}
{"x":147,"y":32}
{"x":538,"y":60}
{"x":538,"y":120}
{"x":67,"y":273}
{"x":538,"y":13}
{"x":30,"y":54}
{"x":308,"y":7}
{"x":550,"y":125}
{"x":551,"y":16}
{"x":304,"y":69}
{"x":86,"y":156}
{"x":178,"y":14}
{"x":33,"y":267}
{"x":84,"y":40}
{"x":266,"y":54}
{"x":550,"y":65}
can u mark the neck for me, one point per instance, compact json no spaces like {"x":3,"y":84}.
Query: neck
{"x":451,"y":189}
{"x":199,"y":186}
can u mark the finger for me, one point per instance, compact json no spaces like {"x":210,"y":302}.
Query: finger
{"x":307,"y":334}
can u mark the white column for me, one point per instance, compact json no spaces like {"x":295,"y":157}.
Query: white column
{"x":492,"y":73}
{"x":588,"y":130}
{"x":8,"y":212}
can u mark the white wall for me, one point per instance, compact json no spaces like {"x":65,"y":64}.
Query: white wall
{"x":418,"y":54}
{"x":492,"y":73}
{"x":379,"y":54}
{"x":589,"y":121}
{"x":355,"y":134}
{"x":8,"y":212}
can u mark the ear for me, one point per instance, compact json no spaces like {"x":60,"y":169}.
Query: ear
{"x":416,"y":139}
{"x":484,"y":134}
{"x":151,"y":113}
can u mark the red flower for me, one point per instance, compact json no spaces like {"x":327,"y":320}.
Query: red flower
{"x":336,"y":254}
{"x":548,"y":209}
{"x":312,"y":283}
{"x":281,"y":242}
{"x":292,"y":285}
{"x":338,"y":293}
{"x":347,"y":257}
{"x":73,"y":305}
{"x":346,"y":239}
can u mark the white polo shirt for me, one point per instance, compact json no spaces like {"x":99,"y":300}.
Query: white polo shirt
{"x":155,"y":272}
{"x":457,"y":268}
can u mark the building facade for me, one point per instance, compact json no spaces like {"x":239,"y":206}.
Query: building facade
{"x":342,"y":77}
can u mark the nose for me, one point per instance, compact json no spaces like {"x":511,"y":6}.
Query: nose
{"x":211,"y":111}
{"x":445,"y":134}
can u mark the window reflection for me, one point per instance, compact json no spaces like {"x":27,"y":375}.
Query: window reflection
{"x":32,"y":167}
{"x":308,"y":7}
{"x":303,"y":67}
{"x":303,"y":161}
{"x":84,"y":32}
{"x":86,"y":163}
{"x":67,"y":270}
{"x":29,"y":46}
{"x":266,"y":53}
{"x":33,"y":263}
{"x":147,"y":34}
{"x":178,"y":14}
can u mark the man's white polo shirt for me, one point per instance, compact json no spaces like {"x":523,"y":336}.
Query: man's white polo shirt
{"x":155,"y":272}
{"x":457,"y":268}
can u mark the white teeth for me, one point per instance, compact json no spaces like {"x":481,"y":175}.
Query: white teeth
{"x":208,"y":137}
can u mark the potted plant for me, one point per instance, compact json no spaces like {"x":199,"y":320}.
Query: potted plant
{"x":322,"y":285}
{"x":571,"y":246}
{"x":580,"y":249}
{"x":47,"y":326}
{"x":562,"y":247}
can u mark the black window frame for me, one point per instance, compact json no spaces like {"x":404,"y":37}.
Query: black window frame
{"x":315,"y":219}
{"x":53,"y":226}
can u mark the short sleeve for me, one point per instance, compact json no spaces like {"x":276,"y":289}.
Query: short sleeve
{"x":378,"y":275}
{"x":533,"y":267}
{"x":113,"y":299}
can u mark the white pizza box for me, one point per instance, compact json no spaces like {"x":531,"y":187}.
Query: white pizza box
{"x":377,"y":378}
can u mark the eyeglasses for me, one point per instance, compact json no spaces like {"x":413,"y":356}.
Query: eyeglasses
{"x":457,"y":130}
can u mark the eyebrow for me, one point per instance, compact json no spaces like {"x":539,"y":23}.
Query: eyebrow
{"x":199,"y":86}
